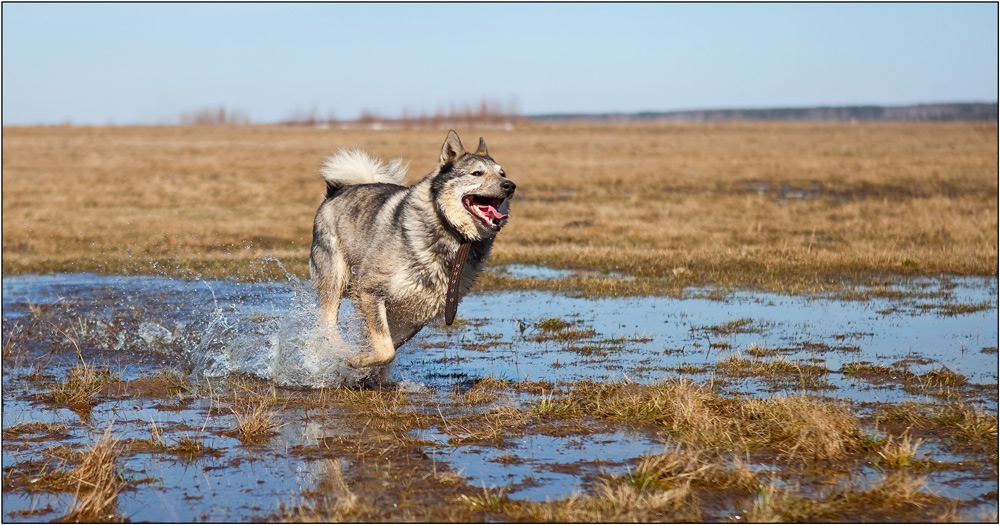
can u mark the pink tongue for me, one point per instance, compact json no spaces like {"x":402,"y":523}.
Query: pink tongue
{"x":491,"y":212}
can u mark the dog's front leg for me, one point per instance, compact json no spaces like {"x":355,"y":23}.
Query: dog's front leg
{"x":372,"y":310}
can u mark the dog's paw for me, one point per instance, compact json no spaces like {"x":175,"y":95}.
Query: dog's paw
{"x":360,"y":361}
{"x":368,"y":360}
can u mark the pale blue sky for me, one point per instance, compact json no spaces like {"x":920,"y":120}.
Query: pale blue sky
{"x":148,"y":63}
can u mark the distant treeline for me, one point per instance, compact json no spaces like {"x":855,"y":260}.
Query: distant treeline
{"x":971,"y":112}
{"x":491,"y":113}
{"x":487,"y":112}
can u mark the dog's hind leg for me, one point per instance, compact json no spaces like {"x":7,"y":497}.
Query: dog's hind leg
{"x":372,"y":310}
{"x":329,"y":276}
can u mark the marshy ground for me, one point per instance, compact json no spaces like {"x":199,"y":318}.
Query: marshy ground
{"x":535,"y":406}
{"x":739,"y":322}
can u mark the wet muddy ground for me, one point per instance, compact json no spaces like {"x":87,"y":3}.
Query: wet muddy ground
{"x":221,"y":401}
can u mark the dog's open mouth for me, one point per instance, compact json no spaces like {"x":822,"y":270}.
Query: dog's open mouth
{"x":485,"y":208}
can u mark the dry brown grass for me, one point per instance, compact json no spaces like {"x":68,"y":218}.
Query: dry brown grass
{"x":381,"y":410}
{"x":97,"y":482}
{"x":899,"y":454}
{"x":669,"y":486}
{"x":494,"y":426}
{"x":491,"y":500}
{"x":894,"y":492}
{"x":676,"y":204}
{"x":679,"y":464}
{"x":801,"y":428}
{"x":967,"y":425}
{"x":33,"y":429}
{"x":774,"y":504}
{"x":254,"y":420}
{"x":612,"y":501}
{"x":82,"y":383}
{"x":485,"y":390}
{"x":796,"y":428}
{"x":897,"y":496}
{"x":770,"y":369}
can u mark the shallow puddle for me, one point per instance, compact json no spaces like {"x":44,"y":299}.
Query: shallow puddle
{"x":524,"y":271}
{"x":648,"y":338}
{"x":936,"y":339}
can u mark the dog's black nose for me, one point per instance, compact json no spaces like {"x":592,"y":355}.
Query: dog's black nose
{"x":508,"y":187}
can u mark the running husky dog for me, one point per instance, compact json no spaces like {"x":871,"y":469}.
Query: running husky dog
{"x":404,"y":255}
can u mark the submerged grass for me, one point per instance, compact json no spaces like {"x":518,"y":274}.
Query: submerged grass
{"x":552,"y":329}
{"x":742,"y":325}
{"x":33,"y":430}
{"x":670,"y":486}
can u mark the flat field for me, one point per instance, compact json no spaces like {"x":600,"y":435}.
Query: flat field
{"x":785,"y":207}
{"x":134,"y":391}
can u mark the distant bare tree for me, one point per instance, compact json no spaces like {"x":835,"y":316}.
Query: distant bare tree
{"x":214,"y":117}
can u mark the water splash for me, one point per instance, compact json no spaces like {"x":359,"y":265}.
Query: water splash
{"x":155,"y":334}
{"x":288,"y":347}
{"x":212,"y":328}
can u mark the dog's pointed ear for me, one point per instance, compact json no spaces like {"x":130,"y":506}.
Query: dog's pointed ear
{"x":481,"y":150}
{"x":452,"y":148}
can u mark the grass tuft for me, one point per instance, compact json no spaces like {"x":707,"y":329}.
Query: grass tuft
{"x":491,"y":500}
{"x":97,"y":482}
{"x":899,"y":454}
{"x":802,"y":428}
{"x":798,"y":428}
{"x":553,"y":329}
{"x":254,"y":421}
{"x":486,"y":390}
{"x":81,"y":386}
{"x":772,"y":504}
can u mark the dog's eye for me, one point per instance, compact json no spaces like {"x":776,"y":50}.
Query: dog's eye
{"x":477,"y":173}
{"x":502,"y":174}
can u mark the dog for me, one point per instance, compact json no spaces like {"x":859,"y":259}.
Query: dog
{"x":404,"y":255}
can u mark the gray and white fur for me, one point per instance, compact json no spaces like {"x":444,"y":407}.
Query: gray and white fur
{"x":390,"y":247}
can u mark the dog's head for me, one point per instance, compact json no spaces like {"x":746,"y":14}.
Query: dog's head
{"x":471,"y":190}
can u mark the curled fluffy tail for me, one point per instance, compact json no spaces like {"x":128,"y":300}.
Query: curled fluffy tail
{"x":351,"y":167}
